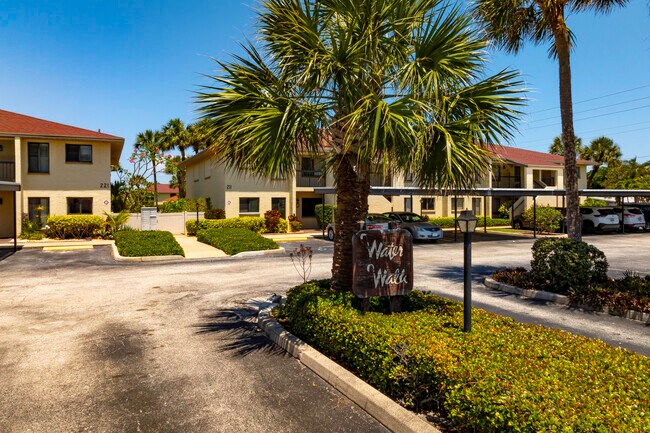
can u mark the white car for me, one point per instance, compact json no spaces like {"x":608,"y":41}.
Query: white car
{"x":374,"y":221}
{"x":602,"y":219}
{"x":633,"y":218}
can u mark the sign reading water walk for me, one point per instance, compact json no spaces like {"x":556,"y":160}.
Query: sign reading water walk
{"x":383,"y":263}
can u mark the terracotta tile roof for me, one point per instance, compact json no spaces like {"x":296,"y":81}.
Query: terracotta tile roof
{"x":164,"y":188}
{"x":19,"y":124}
{"x":530,"y":157}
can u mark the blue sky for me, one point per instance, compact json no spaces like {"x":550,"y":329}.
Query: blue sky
{"x":126,"y":66}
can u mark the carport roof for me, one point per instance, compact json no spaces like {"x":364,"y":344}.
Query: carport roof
{"x":9,"y":186}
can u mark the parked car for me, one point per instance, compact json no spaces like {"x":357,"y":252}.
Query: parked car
{"x":373,"y":221}
{"x":645,"y":208}
{"x":419,"y":228}
{"x":602,"y":219}
{"x":633,"y":218}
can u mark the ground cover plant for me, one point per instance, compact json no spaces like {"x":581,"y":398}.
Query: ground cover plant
{"x":579,"y":270}
{"x":132,"y":243}
{"x":235,"y":240}
{"x":504,"y":376}
{"x":255,"y":224}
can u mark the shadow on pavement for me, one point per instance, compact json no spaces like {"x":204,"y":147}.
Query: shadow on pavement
{"x":6,"y":252}
{"x":455,"y":273}
{"x":237,"y":328}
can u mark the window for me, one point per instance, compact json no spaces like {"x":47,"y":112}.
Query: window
{"x":38,"y":157}
{"x":309,"y":206}
{"x":78,"y":153}
{"x":476,"y":206}
{"x":408,"y":204}
{"x":548,"y":177}
{"x":80,"y":205}
{"x":249,"y":205}
{"x":279,"y":204}
{"x":458,"y":203}
{"x":38,"y":209}
{"x":428,"y":203}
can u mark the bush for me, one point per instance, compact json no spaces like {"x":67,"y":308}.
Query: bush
{"x":183,"y":205}
{"x":593,"y":202}
{"x":233,"y":241}
{"x":567,"y":266}
{"x":504,"y":209}
{"x":450,"y":222}
{"x":147,"y":243}
{"x":31,"y":230}
{"x":215,"y":214}
{"x":295,"y":226}
{"x":255,"y":224}
{"x":324,"y":216}
{"x":271,"y":220}
{"x":73,"y":226}
{"x":283,"y":226}
{"x":504,"y":376}
{"x":548,"y":218}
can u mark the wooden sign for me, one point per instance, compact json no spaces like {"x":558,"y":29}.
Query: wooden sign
{"x":383,"y":263}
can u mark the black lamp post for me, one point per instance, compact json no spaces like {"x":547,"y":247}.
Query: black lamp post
{"x":467,"y":225}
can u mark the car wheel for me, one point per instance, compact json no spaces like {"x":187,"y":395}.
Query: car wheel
{"x":330,"y":235}
{"x":588,"y":227}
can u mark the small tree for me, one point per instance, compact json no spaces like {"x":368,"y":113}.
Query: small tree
{"x":301,"y":259}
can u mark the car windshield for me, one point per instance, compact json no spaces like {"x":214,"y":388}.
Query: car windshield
{"x":374,"y":218}
{"x":411,"y":218}
{"x":633,"y":210}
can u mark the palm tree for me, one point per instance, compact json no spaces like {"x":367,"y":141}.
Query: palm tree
{"x":150,"y":142}
{"x":389,"y":85}
{"x":601,"y":150}
{"x":200,"y":135}
{"x":557,"y":148}
{"x":176,"y":136}
{"x":510,"y":23}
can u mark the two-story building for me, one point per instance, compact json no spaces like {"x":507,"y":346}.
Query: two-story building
{"x":56,"y":169}
{"x":245,"y":194}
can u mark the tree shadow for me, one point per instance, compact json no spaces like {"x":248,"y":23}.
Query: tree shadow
{"x":237,"y":329}
{"x":6,"y":253}
{"x":455,"y":273}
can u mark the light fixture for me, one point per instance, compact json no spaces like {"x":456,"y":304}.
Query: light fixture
{"x":467,"y":221}
{"x":467,"y":224}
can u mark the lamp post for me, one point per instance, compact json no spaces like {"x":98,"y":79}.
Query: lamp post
{"x":467,"y":224}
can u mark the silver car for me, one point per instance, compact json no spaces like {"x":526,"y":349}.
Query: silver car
{"x":419,"y":228}
{"x":374,"y":221}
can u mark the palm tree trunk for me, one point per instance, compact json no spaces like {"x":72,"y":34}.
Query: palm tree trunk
{"x":574,"y":229}
{"x":352,"y":190}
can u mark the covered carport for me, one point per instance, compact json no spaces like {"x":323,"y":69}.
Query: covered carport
{"x":12,"y":188}
{"x":619,"y":194}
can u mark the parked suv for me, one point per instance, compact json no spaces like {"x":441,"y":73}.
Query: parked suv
{"x":419,"y":228}
{"x":633,"y":218}
{"x":645,"y":208}
{"x":599,"y":218}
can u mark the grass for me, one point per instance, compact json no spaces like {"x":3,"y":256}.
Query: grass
{"x":235,"y":240}
{"x":147,"y":243}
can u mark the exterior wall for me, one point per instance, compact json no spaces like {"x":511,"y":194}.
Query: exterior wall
{"x":68,"y":179}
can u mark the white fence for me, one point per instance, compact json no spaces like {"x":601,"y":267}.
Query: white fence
{"x":171,"y":222}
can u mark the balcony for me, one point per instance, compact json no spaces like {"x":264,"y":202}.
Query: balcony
{"x":310,"y":178}
{"x":507,"y":182}
{"x":7,"y":171}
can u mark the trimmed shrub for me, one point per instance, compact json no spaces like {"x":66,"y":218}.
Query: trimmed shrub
{"x":548,"y":218}
{"x":215,"y":214}
{"x":31,"y":230}
{"x":271,"y":220}
{"x":183,"y":205}
{"x":504,"y":209}
{"x":504,"y":376}
{"x":233,"y":241}
{"x":592,"y":202}
{"x":324,"y":216}
{"x":147,"y":243}
{"x":450,"y":222}
{"x":567,"y":266}
{"x":255,"y":224}
{"x":295,"y":226}
{"x":73,"y":226}
{"x":283,"y":226}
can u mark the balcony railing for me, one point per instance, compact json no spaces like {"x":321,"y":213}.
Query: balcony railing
{"x":310,"y":178}
{"x":7,"y":171}
{"x":507,"y":182}
{"x":378,"y":179}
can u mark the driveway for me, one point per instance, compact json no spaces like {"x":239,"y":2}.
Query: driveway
{"x":88,"y":344}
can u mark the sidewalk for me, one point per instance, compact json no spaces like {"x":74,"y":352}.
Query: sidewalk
{"x":197,"y":250}
{"x":302,"y":235}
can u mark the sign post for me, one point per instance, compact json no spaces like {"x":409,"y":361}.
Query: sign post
{"x":383,"y":264}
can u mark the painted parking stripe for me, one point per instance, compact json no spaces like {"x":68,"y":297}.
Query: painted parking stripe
{"x":70,"y":248}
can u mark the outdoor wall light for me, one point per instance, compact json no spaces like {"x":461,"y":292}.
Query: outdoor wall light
{"x":467,"y":221}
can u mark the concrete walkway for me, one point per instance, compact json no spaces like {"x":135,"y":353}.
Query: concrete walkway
{"x":197,"y":250}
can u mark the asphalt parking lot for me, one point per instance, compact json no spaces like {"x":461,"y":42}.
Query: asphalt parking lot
{"x":90,"y":344}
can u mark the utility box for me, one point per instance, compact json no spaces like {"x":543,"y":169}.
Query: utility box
{"x":149,"y":218}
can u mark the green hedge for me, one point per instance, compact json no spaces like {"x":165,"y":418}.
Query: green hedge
{"x":450,"y":222}
{"x":548,"y":219}
{"x":504,"y":376}
{"x":324,"y":217}
{"x":147,"y":243}
{"x":73,"y":226}
{"x":255,"y":224}
{"x":233,"y":241}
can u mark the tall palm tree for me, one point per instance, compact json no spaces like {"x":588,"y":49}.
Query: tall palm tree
{"x":200,"y":135}
{"x":394,"y":85}
{"x":176,"y":136}
{"x":557,"y":147}
{"x":150,"y":142}
{"x":601,"y":150}
{"x":510,"y":23}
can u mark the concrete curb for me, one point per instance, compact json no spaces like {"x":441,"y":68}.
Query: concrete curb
{"x":280,"y":250}
{"x":637,"y":316}
{"x":390,"y":414}
{"x":118,"y":258}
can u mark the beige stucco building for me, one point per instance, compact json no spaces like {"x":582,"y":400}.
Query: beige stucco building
{"x":52,"y":169}
{"x":245,"y":194}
